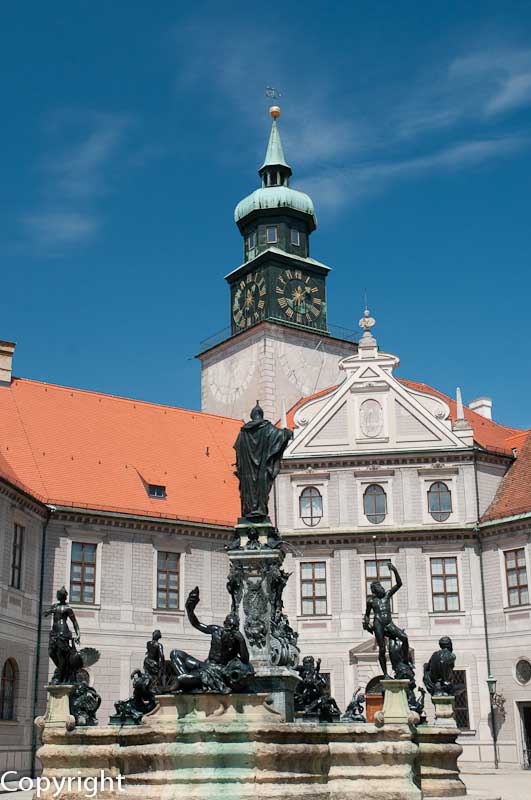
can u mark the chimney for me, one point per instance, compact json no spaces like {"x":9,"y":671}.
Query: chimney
{"x":483,"y":406}
{"x":6,"y":361}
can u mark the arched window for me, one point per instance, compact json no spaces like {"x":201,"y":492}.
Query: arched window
{"x":375,"y":503}
{"x":439,"y":501}
{"x":311,"y":506}
{"x":8,"y":690}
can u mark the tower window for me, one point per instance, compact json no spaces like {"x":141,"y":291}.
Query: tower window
{"x":271,"y":234}
{"x":251,"y":240}
{"x":157,"y":491}
{"x":295,"y":237}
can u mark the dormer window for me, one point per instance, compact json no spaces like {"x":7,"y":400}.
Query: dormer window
{"x":295,"y":237}
{"x":155,"y":490}
{"x":271,"y":234}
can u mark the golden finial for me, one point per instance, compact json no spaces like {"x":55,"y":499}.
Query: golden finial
{"x":274,"y":111}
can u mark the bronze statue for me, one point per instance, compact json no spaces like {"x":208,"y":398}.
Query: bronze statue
{"x":259,"y":449}
{"x":154,"y":663}
{"x":227,"y":667}
{"x":312,"y":697}
{"x":383,"y":627}
{"x":439,"y":671}
{"x":142,"y":701}
{"x":84,"y":703}
{"x":62,"y":645}
{"x":356,"y":708}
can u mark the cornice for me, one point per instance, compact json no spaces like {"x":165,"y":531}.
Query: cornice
{"x":22,"y":499}
{"x":139,"y":523}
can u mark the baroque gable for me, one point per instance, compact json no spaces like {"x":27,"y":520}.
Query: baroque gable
{"x":371,"y":410}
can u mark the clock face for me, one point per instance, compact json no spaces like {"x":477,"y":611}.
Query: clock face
{"x":249,"y":300}
{"x":298,"y":296}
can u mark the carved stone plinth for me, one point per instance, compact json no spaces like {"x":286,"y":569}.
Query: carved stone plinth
{"x":444,"y":711}
{"x":256,"y":583}
{"x":207,"y":747}
{"x":395,"y":710}
{"x":437,"y":761}
{"x":57,"y":715}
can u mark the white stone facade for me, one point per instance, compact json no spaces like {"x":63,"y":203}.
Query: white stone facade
{"x":272,"y":363}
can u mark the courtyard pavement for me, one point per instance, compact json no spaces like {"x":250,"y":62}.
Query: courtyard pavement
{"x":507,"y":785}
{"x":513,"y":785}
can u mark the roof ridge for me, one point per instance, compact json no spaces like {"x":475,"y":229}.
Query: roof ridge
{"x":123,"y":399}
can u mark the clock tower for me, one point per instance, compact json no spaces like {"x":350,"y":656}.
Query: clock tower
{"x":280,"y":348}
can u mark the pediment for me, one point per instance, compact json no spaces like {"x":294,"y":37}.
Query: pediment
{"x":372,"y":412}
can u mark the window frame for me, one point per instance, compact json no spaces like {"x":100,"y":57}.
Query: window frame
{"x":17,"y":556}
{"x":310,"y":488}
{"x":445,"y":557}
{"x":450,"y":493}
{"x":271,"y":228}
{"x":11,"y":717}
{"x":84,"y":538}
{"x":469,"y":705}
{"x":320,"y":481}
{"x":327,"y":597}
{"x":519,"y":587}
{"x":82,"y":582}
{"x":363,"y":481}
{"x":375,"y":513}
{"x":167,"y":545}
{"x":251,"y":240}
{"x":298,"y":237}
{"x":167,"y":608}
{"x":154,"y":496}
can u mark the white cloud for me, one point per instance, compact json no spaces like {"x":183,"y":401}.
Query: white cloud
{"x":334,"y":188}
{"x":78,"y":166}
{"x":58,"y":228}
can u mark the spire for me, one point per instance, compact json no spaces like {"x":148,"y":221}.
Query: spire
{"x":274,"y":156}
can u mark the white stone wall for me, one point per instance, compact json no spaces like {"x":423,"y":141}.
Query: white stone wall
{"x":18,"y":626}
{"x":272,"y":363}
{"x":125,"y":614}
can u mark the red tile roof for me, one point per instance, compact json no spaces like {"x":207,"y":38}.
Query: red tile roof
{"x":487,"y":433}
{"x":514,"y":492}
{"x":83,"y":449}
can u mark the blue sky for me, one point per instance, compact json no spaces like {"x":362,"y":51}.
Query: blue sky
{"x":130,"y":131}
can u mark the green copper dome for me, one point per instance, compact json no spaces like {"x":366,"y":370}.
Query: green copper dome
{"x":274,"y":197}
{"x":275,"y":192}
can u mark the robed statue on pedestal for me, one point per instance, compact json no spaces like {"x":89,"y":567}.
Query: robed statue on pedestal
{"x":259,"y":449}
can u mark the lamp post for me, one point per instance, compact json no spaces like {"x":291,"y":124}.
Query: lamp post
{"x":491,"y":683}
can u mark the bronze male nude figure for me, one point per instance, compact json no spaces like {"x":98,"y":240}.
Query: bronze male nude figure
{"x":382,"y":625}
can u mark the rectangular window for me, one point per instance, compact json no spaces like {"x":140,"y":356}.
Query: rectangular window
{"x":313,"y":588}
{"x":378,"y":571}
{"x":16,"y":556}
{"x":271,"y":234}
{"x":516,"y":573}
{"x":157,"y":491}
{"x":295,"y":237}
{"x":251,"y":241}
{"x":462,"y":713}
{"x":83,"y":573}
{"x":444,"y":584}
{"x":168,"y":580}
